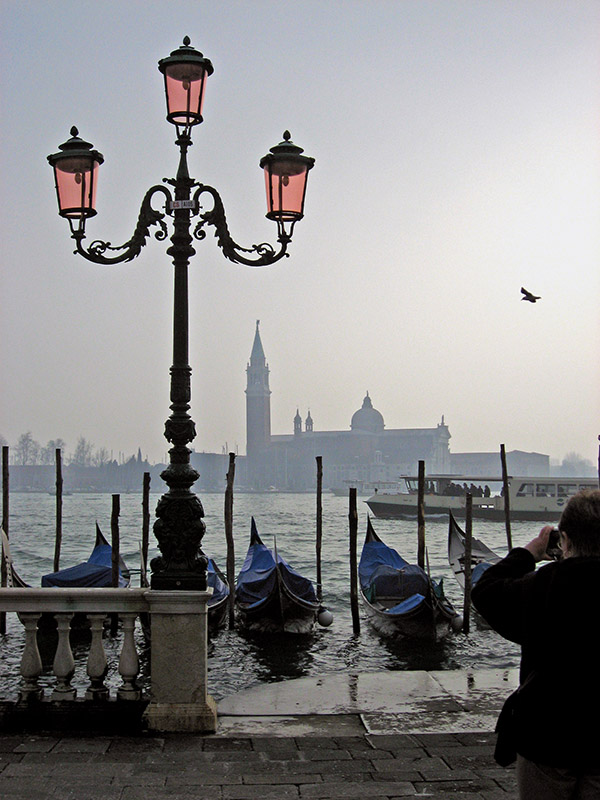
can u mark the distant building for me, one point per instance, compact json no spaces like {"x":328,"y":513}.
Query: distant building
{"x":367,"y":452}
{"x":489,"y":465}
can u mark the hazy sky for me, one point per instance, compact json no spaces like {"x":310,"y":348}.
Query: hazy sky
{"x":457,"y":147}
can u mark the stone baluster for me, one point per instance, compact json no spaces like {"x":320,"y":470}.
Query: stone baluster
{"x":129,"y":664}
{"x":64,"y":663}
{"x":31,"y":662}
{"x":97,"y":666}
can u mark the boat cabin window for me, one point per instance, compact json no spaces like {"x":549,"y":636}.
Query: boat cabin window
{"x":566,"y":489}
{"x":545,"y":490}
{"x":525,"y":490}
{"x":588,"y":486}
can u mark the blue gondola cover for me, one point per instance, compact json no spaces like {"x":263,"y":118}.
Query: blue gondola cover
{"x":384,"y":573}
{"x":220,"y":589}
{"x":257,"y":577}
{"x":95,"y":572}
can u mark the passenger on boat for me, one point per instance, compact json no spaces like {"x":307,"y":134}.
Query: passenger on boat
{"x":548,"y":724}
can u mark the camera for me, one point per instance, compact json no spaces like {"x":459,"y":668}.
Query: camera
{"x":553,"y":550}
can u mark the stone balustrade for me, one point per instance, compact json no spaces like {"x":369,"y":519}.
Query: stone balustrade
{"x":178,"y":698}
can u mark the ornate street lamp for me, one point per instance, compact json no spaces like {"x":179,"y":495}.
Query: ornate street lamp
{"x":179,"y":527}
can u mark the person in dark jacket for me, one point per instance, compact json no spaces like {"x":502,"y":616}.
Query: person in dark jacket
{"x":550,"y":724}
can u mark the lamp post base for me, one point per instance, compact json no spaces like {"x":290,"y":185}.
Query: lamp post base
{"x":179,"y":529}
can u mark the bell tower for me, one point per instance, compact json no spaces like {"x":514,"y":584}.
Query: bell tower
{"x":258,"y":402}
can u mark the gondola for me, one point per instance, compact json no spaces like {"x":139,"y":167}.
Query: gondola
{"x":400,"y":599}
{"x":270,"y":596}
{"x":13,"y":579}
{"x":481,"y":555}
{"x":96,"y":571}
{"x":217,"y":605}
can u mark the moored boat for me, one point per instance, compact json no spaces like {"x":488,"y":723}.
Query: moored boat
{"x":13,"y":579}
{"x":272,"y":597}
{"x":217,"y":605}
{"x":96,"y":571}
{"x":400,"y":599}
{"x":530,"y":498}
{"x":482,"y":556}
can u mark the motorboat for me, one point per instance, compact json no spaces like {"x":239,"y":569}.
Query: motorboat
{"x":530,"y":498}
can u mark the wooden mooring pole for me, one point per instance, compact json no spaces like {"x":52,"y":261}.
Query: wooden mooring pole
{"x":421,"y":516}
{"x":3,"y":573}
{"x":145,"y":530}
{"x":506,"y":497}
{"x":353,"y":525}
{"x":467,"y":564}
{"x":5,"y":476}
{"x":319,"y":540}
{"x":114,"y":535}
{"x":59,"y":506}
{"x":229,"y":539}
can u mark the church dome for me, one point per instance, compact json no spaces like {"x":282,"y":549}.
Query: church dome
{"x":367,"y":418}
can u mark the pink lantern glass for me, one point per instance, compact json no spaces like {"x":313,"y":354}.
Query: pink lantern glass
{"x":76,"y":186}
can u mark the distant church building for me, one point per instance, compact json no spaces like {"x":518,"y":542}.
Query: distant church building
{"x":367,"y":452}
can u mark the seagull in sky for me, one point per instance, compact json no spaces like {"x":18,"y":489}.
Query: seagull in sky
{"x":528,"y":296}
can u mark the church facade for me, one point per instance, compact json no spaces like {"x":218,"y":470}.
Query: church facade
{"x":366,"y":453}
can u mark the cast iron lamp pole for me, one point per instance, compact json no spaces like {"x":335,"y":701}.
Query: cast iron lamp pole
{"x":179,"y":526}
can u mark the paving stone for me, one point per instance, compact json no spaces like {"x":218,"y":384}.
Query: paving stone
{"x":203,"y":779}
{"x":402,"y":775}
{"x":281,"y":792}
{"x":228,"y":744}
{"x":169,"y":793}
{"x":130,"y":746}
{"x":444,"y":788}
{"x":373,"y":755}
{"x":29,"y":787}
{"x":11,"y":758}
{"x":322,"y":754}
{"x":111,"y":792}
{"x":96,"y":745}
{"x":360,"y":790}
{"x":8,"y":742}
{"x":36,"y":744}
{"x":60,"y":758}
{"x":273,"y":780}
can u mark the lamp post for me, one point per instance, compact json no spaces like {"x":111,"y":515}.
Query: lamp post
{"x":179,"y":526}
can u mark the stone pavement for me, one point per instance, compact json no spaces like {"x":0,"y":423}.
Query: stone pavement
{"x":182,"y":767}
{"x":385,"y":735}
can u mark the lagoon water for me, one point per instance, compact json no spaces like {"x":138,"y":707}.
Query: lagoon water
{"x":237,"y":660}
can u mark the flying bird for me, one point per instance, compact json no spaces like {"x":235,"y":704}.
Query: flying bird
{"x":528,"y":296}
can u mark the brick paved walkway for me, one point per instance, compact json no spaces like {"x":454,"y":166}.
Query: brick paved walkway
{"x":182,"y":767}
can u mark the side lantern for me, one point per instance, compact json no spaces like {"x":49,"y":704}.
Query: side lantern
{"x":75,"y":177}
{"x":286,"y":175}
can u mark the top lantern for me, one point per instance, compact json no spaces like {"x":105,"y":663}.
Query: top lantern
{"x":185,"y":72}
